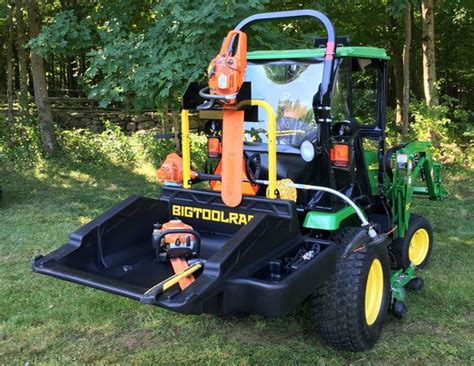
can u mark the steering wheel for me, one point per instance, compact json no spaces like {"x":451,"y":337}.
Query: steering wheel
{"x":213,"y":128}
{"x":253,"y":175}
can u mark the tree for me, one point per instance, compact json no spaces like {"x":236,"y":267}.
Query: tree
{"x":406,"y":69}
{"x":396,"y":54}
{"x":10,"y":66}
{"x":428,"y":45}
{"x":144,"y":52}
{"x":43,"y":106}
{"x":22,"y":59}
{"x":402,"y":11}
{"x":155,"y":64}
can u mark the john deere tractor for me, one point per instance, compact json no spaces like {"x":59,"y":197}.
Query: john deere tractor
{"x":302,"y":198}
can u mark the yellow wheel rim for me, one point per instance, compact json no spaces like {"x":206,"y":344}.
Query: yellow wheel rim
{"x":374,"y":292}
{"x":419,"y":246}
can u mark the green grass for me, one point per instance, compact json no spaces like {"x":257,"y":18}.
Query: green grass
{"x":44,"y":320}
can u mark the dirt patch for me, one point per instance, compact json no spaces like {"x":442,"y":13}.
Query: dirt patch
{"x":424,"y":327}
{"x":136,"y":340}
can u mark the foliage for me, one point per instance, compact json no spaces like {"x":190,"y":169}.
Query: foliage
{"x":198,"y":151}
{"x":454,"y":26}
{"x":85,"y":146}
{"x":434,"y":124}
{"x":65,"y":35}
{"x":364,"y":94}
{"x":20,"y":147}
{"x":155,"y":65}
{"x":114,"y":146}
{"x":398,"y":8}
{"x":20,"y":144}
{"x":155,"y":151}
{"x":144,"y":53}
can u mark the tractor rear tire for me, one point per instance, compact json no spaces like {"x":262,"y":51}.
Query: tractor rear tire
{"x":351,"y":307}
{"x":415,"y":247}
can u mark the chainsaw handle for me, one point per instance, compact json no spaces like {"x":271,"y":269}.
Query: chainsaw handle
{"x":229,"y":40}
{"x":204,"y":93}
{"x":197,"y":237}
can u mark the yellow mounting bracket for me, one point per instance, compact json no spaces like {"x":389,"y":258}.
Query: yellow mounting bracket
{"x":272,"y":155}
{"x":185,"y":148}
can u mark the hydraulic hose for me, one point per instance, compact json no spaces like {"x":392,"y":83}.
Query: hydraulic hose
{"x":372,"y":233}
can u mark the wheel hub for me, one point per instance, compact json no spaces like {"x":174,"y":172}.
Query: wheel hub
{"x":374,"y":292}
{"x":419,"y":246}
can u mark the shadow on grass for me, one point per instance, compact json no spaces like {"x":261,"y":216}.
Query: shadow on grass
{"x":58,"y":181}
{"x":42,"y":206}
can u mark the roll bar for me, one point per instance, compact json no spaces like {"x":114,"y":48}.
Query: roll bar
{"x":323,"y":96}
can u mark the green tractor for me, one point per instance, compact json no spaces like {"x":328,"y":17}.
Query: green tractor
{"x":304,"y":201}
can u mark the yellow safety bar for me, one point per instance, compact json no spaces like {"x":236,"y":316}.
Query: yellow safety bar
{"x":186,"y":148}
{"x":272,"y":154}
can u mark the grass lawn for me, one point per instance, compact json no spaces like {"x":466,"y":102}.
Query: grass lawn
{"x":51,"y":321}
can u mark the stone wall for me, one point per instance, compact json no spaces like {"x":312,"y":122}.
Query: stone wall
{"x":93,"y":120}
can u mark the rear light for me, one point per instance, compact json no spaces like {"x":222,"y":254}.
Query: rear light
{"x":339,"y":155}
{"x":213,"y":147}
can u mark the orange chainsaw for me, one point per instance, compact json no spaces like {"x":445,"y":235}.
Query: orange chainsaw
{"x":226,"y":76}
{"x":177,"y":242}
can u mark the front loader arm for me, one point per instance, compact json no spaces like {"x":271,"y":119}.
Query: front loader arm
{"x":412,"y":161}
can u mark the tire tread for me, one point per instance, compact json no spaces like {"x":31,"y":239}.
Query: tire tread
{"x":336,"y":304}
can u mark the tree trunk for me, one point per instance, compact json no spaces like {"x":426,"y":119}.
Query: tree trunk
{"x":39,"y":82}
{"x":83,"y":63}
{"x":10,"y":67}
{"x":176,"y":123}
{"x":406,"y":70}
{"x":62,"y":73}
{"x":22,"y":60}
{"x":71,"y":80}
{"x":52,"y":81}
{"x":428,"y":45}
{"x":398,"y":74}
{"x":396,"y":52}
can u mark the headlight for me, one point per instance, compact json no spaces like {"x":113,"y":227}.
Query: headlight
{"x":307,"y":151}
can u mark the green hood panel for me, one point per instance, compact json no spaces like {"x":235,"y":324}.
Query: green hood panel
{"x":327,"y":220}
{"x":356,"y":51}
